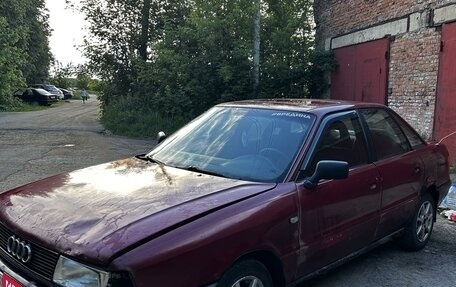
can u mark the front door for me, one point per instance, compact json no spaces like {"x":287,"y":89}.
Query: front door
{"x":338,"y":217}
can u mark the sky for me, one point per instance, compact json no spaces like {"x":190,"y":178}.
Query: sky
{"x":67,"y":32}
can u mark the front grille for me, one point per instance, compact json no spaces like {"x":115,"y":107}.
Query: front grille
{"x":43,"y":260}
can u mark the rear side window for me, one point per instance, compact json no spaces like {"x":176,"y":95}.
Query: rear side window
{"x":18,"y":93}
{"x":414,"y":139}
{"x":387,"y":137}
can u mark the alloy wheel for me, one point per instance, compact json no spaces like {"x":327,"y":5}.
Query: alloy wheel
{"x":248,"y":281}
{"x":424,"y":221}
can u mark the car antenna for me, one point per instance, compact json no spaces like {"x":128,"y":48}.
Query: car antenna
{"x":445,"y":137}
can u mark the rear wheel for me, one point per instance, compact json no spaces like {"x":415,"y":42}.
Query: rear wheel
{"x":249,"y":273}
{"x":419,"y":229}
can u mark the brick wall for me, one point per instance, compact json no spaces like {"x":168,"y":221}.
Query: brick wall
{"x":336,"y":17}
{"x":413,"y":73}
{"x":414,"y":56}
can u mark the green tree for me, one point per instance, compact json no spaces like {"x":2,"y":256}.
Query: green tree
{"x":173,"y":59}
{"x":206,"y":60}
{"x":119,"y":45}
{"x":39,"y":56}
{"x":24,"y":50}
{"x":83,"y":80}
{"x":210,"y":57}
{"x":11,"y":60}
{"x":62,"y":75}
{"x":287,"y":48}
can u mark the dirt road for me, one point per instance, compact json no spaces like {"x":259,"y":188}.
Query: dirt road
{"x":34,"y":145}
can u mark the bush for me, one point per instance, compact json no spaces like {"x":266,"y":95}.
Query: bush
{"x":124,"y":117}
{"x":10,"y":103}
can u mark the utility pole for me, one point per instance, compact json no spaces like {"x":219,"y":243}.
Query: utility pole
{"x":144,"y":39}
{"x":256,"y":47}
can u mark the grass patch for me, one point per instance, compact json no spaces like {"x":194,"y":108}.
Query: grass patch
{"x":25,"y":107}
{"x":137,"y":123}
{"x":28,"y":108}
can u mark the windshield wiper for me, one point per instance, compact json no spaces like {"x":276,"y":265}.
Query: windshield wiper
{"x":197,"y":169}
{"x":150,"y":159}
{"x":189,"y":168}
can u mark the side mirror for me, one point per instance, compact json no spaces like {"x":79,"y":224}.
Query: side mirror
{"x":327,"y":169}
{"x":161,"y":136}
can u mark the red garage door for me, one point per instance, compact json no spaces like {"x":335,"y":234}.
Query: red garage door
{"x":445,"y":111}
{"x":362,"y":72}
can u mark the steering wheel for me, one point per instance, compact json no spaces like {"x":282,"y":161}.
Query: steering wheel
{"x":274,"y":155}
{"x":254,"y":165}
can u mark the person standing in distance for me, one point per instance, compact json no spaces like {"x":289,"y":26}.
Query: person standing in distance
{"x":84,"y":95}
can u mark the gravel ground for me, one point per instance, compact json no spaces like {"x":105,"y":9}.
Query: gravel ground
{"x":34,"y":145}
{"x":390,"y":266}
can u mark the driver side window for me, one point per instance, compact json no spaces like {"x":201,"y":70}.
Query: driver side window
{"x":343,"y":140}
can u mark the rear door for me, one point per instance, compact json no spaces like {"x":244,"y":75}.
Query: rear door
{"x":401,"y":170}
{"x":338,"y":217}
{"x":29,"y":95}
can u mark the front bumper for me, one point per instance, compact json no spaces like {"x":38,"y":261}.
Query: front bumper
{"x":5,"y":269}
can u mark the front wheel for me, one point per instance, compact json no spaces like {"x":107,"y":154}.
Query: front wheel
{"x":249,"y":273}
{"x":418,"y":231}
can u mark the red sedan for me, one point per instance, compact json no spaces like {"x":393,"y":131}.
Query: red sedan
{"x":255,"y":193}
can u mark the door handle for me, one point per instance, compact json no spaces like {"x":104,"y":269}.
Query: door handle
{"x":417,"y":169}
{"x":373,"y":186}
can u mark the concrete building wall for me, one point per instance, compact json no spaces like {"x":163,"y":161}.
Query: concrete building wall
{"x":413,"y":26}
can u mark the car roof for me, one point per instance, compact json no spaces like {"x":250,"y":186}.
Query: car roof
{"x":43,"y":85}
{"x":314,"y":106}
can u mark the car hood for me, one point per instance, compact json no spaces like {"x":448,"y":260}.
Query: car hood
{"x":97,"y":212}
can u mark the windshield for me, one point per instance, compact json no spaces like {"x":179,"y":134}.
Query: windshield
{"x":51,"y":87}
{"x":241,"y":143}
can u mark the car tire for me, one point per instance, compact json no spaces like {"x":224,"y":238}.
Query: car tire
{"x":418,"y":230}
{"x":246,"y":273}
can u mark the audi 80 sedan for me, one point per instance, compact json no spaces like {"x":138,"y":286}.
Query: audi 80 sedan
{"x":252,"y":193}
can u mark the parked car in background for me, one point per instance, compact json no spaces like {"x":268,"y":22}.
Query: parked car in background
{"x":253,"y":193}
{"x":50,"y":88}
{"x":67,"y":94}
{"x":39,"y":96}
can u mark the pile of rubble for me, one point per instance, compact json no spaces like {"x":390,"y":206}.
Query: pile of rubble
{"x":449,"y":204}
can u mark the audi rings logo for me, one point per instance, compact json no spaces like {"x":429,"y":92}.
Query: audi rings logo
{"x":19,"y":249}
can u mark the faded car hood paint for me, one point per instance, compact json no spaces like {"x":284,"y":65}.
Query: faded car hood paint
{"x":96,"y":212}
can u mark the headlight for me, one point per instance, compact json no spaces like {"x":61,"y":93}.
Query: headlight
{"x":70,"y":273}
